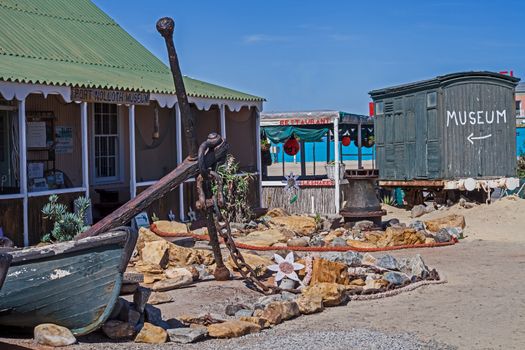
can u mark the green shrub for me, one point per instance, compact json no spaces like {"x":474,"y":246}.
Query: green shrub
{"x":521,"y":166}
{"x":66,"y":225}
{"x":235,"y":187}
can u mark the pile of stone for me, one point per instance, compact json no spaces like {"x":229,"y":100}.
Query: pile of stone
{"x":142,"y":322}
{"x":364,"y":234}
{"x":281,"y":229}
{"x":165,"y":265}
{"x":334,"y":278}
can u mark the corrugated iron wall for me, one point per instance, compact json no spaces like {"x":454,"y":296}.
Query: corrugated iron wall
{"x":415,"y":140}
{"x":494,"y":155}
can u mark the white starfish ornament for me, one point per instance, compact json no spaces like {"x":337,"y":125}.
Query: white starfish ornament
{"x":285,"y":267}
{"x":291,"y":183}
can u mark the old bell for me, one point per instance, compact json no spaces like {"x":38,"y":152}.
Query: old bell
{"x":362,"y":202}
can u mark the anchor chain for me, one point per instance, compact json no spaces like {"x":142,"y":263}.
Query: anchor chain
{"x":217,"y":224}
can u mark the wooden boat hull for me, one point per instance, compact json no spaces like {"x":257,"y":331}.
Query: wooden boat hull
{"x":5,"y":261}
{"x":73,"y":284}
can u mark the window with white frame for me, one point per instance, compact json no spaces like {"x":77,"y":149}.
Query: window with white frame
{"x":106,"y":140}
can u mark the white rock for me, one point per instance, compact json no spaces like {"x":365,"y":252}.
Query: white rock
{"x":53,"y":335}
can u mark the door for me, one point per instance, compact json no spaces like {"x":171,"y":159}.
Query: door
{"x":5,"y":168}
{"x":421,"y":136}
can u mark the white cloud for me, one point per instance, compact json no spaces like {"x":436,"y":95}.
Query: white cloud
{"x":258,"y":38}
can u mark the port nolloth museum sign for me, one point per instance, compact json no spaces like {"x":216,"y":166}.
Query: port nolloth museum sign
{"x":110,"y":96}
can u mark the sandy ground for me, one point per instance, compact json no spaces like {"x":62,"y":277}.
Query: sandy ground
{"x":481,"y":307}
{"x":501,"y":221}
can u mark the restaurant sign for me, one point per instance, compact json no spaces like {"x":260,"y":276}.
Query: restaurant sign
{"x":309,"y":121}
{"x":316,"y":183}
{"x":110,"y":96}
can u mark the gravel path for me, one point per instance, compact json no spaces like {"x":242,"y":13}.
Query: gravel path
{"x":280,"y":338}
{"x":335,"y":340}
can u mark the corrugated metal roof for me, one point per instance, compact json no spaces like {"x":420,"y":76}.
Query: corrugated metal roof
{"x":429,"y":83}
{"x":74,"y":43}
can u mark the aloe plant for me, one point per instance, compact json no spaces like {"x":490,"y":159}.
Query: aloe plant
{"x":66,"y":225}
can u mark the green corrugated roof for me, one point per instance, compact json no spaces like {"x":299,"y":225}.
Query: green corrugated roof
{"x":74,"y":43}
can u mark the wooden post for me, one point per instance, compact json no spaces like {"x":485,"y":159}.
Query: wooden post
{"x":258,"y":146}
{"x":132,"y":158}
{"x":328,"y":147}
{"x":23,"y":165}
{"x":85,"y":155}
{"x":313,"y":151}
{"x":303,"y":158}
{"x":359,"y":147}
{"x":337,"y":164}
{"x":223,"y":120}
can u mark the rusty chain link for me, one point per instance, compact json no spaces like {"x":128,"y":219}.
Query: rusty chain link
{"x":212,"y":204}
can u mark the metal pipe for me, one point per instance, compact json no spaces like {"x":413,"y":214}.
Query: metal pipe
{"x":165,"y":27}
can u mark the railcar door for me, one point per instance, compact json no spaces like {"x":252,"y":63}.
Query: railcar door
{"x":421,"y":136}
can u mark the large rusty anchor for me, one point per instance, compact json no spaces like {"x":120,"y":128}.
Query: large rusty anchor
{"x":205,"y":154}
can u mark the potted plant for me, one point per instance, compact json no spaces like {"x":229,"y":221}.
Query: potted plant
{"x":266,"y":156}
{"x":265,"y":145}
{"x":369,"y":141}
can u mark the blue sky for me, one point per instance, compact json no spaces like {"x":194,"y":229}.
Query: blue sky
{"x":303,"y":55}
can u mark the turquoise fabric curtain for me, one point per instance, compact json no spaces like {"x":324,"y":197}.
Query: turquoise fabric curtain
{"x":279,"y":134}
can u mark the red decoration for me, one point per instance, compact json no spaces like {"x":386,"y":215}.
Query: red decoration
{"x":291,"y":146}
{"x":345,"y":140}
{"x":371,"y":108}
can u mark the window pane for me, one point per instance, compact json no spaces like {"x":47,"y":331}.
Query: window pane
{"x":106,"y":140}
{"x":431,"y":99}
{"x":97,"y":167}
{"x":112,"y":146}
{"x":379,"y":108}
{"x":111,"y":166}
{"x":97,"y":146}
{"x":103,"y":146}
{"x":98,"y":127}
{"x":113,"y":124}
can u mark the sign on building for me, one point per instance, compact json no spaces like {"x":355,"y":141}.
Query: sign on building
{"x":110,"y":96}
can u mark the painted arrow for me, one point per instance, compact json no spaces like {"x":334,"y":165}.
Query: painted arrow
{"x":472,"y":137}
